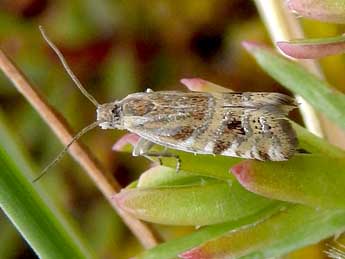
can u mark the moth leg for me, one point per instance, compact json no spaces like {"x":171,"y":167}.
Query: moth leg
{"x":163,"y":155}
{"x":159,"y":158}
{"x":142,"y":147}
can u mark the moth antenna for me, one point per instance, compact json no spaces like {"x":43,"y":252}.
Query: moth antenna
{"x":67,"y":68}
{"x":61,"y":154}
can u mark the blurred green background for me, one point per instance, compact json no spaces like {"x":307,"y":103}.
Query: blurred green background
{"x":117,"y":48}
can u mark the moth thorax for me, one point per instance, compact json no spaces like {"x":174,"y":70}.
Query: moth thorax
{"x":109,"y":116}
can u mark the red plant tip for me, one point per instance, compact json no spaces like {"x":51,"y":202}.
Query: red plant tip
{"x":121,"y":201}
{"x":192,"y":254}
{"x":249,"y":45}
{"x":242,"y":172}
{"x":326,"y":10}
{"x":117,"y":199}
{"x":129,"y":138}
{"x":298,"y":6}
{"x":311,"y":50}
{"x":289,"y":50}
{"x":194,"y":84}
{"x":290,"y":5}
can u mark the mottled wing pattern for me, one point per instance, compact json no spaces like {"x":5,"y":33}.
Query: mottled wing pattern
{"x":260,"y":134}
{"x":166,"y":117}
{"x":264,"y":133}
{"x":248,"y":125}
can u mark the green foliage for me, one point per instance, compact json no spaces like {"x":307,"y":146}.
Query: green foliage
{"x":30,"y":210}
{"x":306,"y":179}
{"x":132,"y":46}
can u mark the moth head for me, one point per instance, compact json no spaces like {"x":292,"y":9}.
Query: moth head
{"x":109,"y":115}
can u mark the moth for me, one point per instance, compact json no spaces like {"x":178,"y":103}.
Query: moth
{"x":250,"y":125}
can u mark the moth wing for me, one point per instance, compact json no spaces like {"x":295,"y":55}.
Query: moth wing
{"x":258,"y":100}
{"x":264,"y":133}
{"x":166,"y":117}
{"x":248,"y":125}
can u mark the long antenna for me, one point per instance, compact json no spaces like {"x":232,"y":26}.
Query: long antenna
{"x":60,"y":155}
{"x":67,"y":68}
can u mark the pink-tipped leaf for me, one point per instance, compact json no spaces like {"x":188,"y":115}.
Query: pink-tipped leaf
{"x":201,"y":85}
{"x":122,"y":143}
{"x":322,"y":10}
{"x":313,"y":180}
{"x":313,"y":48}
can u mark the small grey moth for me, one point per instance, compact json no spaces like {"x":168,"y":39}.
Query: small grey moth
{"x":248,"y":125}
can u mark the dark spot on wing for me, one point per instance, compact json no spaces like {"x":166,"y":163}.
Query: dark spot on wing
{"x":138,"y":107}
{"x":198,"y":114}
{"x":183,"y":133}
{"x":263,"y":155}
{"x":220,"y":146}
{"x":235,"y":127}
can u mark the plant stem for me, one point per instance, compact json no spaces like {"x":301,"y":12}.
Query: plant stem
{"x":105,"y":183}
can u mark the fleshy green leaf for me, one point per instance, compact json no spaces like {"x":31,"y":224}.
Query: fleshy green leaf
{"x":174,"y":247}
{"x":314,"y":144}
{"x":312,"y":180}
{"x":323,"y":10}
{"x":161,"y":176}
{"x":297,"y":79}
{"x":202,"y":202}
{"x":287,"y":230}
{"x":313,"y":48}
